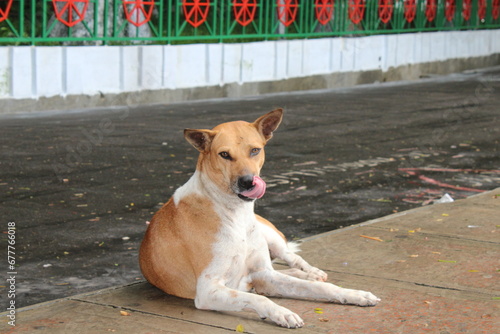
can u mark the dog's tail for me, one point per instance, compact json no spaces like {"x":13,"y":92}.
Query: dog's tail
{"x":294,"y":246}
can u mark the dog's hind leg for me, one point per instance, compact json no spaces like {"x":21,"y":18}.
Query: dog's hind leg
{"x":296,"y":272}
{"x":277,"y":284}
{"x":278,"y":248}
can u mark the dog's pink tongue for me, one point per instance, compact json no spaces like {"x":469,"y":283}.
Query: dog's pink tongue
{"x":258,"y":190}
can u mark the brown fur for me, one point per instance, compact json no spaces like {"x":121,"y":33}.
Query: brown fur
{"x":172,"y":244}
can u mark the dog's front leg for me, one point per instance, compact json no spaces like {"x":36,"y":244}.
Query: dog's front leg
{"x":274,"y":283}
{"x":217,"y":297}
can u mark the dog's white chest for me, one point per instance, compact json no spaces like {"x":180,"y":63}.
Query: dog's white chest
{"x":239,"y":250}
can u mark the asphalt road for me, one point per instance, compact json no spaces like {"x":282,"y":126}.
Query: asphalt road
{"x":81,"y":185}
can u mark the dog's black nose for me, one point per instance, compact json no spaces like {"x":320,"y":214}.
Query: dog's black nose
{"x":245,"y":182}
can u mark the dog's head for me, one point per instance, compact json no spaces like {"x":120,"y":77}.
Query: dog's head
{"x":232,"y":154}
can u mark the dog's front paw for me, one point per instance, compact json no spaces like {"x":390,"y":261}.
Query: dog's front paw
{"x":315,"y":274}
{"x":358,"y":297}
{"x":285,"y":318}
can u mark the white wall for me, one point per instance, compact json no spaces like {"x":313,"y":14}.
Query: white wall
{"x":34,"y":72}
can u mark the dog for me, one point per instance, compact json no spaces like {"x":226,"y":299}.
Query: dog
{"x":207,"y":244}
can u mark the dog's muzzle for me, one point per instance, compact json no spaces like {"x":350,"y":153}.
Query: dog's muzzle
{"x":251,"y":187}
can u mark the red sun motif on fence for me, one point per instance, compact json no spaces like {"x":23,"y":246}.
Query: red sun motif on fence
{"x":356,"y":10}
{"x":385,"y":8}
{"x":138,"y":12}
{"x":410,"y":10}
{"x":71,"y":13}
{"x":287,"y":11}
{"x":244,"y":11}
{"x":430,"y":10}
{"x":449,"y":9}
{"x":4,"y":13}
{"x":495,"y":11}
{"x":466,"y":9}
{"x":481,"y":11}
{"x":324,"y":10}
{"x":196,"y":11}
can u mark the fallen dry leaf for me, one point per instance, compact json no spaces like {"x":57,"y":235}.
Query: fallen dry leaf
{"x":371,"y":238}
{"x":324,"y":319}
{"x":240,"y":328}
{"x":124,"y":313}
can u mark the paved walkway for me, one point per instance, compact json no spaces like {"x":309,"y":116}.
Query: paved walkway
{"x":436,"y":270}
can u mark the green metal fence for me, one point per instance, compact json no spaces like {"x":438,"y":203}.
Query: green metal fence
{"x":50,"y":22}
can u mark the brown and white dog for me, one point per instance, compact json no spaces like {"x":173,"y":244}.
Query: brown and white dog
{"x":207,"y":243}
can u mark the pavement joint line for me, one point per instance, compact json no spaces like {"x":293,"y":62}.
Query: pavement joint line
{"x":39,"y":305}
{"x":449,"y":236}
{"x":355,"y":226}
{"x":459,"y":238}
{"x":151,"y":313}
{"x":75,"y":297}
{"x":408,"y":282}
{"x":333,"y":272}
{"x":442,"y":287}
{"x":105,"y":290}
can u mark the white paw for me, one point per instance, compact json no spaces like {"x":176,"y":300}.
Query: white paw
{"x":315,"y":274}
{"x":358,"y":297}
{"x":285,"y":318}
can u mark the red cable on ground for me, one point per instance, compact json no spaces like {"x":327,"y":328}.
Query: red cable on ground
{"x":446,"y":185}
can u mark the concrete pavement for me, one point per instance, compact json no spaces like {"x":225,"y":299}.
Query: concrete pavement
{"x":436,"y":269}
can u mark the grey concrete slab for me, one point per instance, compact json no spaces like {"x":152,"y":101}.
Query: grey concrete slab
{"x":411,"y":257}
{"x":145,"y":298}
{"x":419,"y":294}
{"x":476,"y":219}
{"x":422,"y":246}
{"x":71,"y":316}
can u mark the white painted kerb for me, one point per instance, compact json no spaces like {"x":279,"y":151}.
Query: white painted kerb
{"x":34,"y":72}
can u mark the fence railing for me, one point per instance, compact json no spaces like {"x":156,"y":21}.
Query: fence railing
{"x":50,"y":22}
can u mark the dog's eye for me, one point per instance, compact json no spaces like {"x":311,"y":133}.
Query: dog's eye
{"x":225,"y":155}
{"x":255,"y":151}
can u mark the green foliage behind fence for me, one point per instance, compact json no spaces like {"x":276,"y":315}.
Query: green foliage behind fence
{"x":50,"y":22}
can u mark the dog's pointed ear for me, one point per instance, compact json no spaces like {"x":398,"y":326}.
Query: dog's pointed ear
{"x":200,"y":139}
{"x":268,"y":123}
